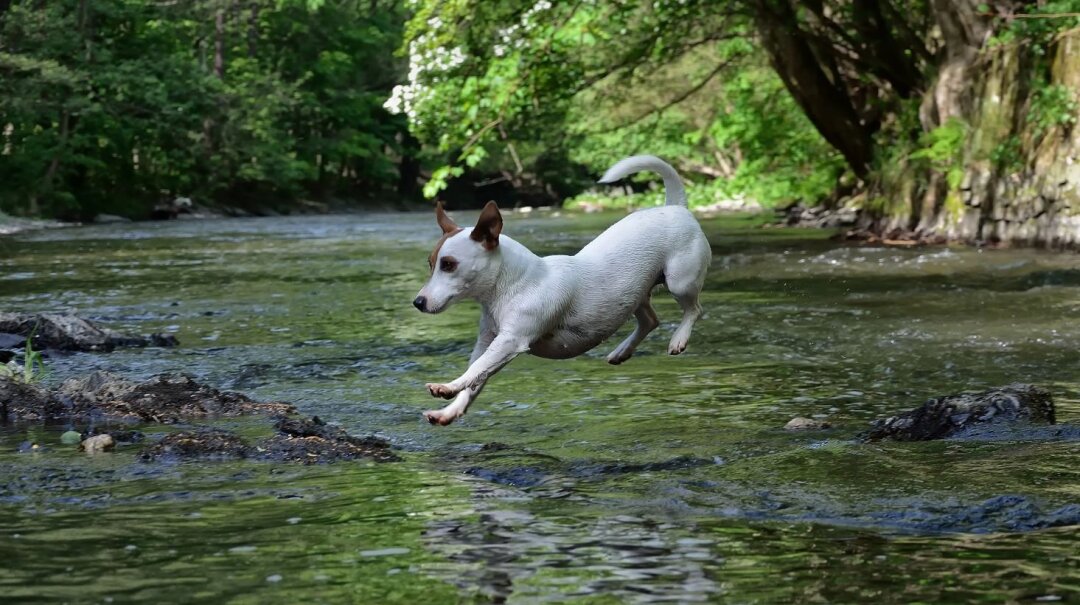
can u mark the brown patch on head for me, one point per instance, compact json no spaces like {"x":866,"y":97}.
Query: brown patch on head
{"x":438,"y":246}
{"x":446,"y":223}
{"x":488,"y":227}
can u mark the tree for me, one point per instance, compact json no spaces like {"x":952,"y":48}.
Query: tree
{"x":110,"y":105}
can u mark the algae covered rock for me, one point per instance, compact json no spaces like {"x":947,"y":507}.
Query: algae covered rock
{"x":311,"y":441}
{"x":178,"y":398}
{"x":947,"y":416}
{"x":303,"y":440}
{"x":165,"y":398}
{"x":23,"y":401}
{"x":198,"y":445}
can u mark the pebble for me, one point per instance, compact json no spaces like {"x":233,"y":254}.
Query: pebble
{"x":71,"y":438}
{"x":383,"y":552}
{"x":97,"y":443}
{"x":805,"y":424}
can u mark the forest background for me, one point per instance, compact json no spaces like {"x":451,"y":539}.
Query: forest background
{"x":933,"y":119}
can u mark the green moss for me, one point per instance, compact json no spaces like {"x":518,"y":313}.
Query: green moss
{"x":1052,"y":106}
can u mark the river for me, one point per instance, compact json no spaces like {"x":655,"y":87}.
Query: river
{"x":665,"y":479}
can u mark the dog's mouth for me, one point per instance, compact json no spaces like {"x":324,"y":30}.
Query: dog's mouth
{"x":434,"y":310}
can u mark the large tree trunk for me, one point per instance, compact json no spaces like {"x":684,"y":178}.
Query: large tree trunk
{"x":1021,"y":183}
{"x":963,"y":30}
{"x":815,"y":87}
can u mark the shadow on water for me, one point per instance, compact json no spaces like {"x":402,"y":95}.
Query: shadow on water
{"x":664,"y":479}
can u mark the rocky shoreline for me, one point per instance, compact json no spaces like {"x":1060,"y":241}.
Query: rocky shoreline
{"x":106,"y":399}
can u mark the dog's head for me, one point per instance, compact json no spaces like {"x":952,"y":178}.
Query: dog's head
{"x":464,"y":263}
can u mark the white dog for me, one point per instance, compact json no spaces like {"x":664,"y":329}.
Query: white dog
{"x":562,"y":306}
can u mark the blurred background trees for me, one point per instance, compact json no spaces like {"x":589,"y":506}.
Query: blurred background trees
{"x":113,"y":105}
{"x":931,"y":118}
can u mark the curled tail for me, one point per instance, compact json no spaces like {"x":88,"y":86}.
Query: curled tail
{"x":673,"y":187}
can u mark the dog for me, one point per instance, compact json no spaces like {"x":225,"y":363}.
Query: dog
{"x":559,"y":307}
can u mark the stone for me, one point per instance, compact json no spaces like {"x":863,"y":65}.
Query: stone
{"x":805,"y":424}
{"x":97,"y":443}
{"x":947,"y":416}
{"x":72,"y":333}
{"x":71,"y":437}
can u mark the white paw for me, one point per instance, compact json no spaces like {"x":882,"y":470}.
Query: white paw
{"x":440,"y":417}
{"x":446,"y":391}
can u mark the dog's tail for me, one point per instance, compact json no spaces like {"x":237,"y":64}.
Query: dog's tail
{"x":673,"y":187}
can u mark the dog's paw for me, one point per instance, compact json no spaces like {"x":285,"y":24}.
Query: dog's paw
{"x":441,"y":390}
{"x":616,"y":357}
{"x":438,"y":417}
{"x":676,"y":348}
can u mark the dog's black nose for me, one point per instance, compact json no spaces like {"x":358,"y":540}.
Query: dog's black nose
{"x":420,"y":302}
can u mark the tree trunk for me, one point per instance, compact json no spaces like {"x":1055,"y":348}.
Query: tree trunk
{"x":53,"y":169}
{"x":219,"y":44}
{"x":253,"y":30}
{"x":1021,"y":183}
{"x":824,"y":100}
{"x":963,"y":30}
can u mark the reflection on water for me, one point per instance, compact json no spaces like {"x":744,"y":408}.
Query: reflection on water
{"x":664,"y":479}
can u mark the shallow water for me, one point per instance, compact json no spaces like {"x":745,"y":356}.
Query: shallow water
{"x":663,"y":479}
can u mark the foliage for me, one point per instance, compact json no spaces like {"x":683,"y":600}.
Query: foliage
{"x":1052,"y":106}
{"x":33,"y":366}
{"x":1041,"y":24}
{"x":943,"y":149}
{"x":1008,"y":154}
{"x":510,"y":80}
{"x":112,"y":105}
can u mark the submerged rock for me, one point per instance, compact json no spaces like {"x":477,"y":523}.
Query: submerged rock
{"x":303,"y":440}
{"x":71,"y":333}
{"x":942,"y":417}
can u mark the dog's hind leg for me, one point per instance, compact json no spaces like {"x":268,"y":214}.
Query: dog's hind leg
{"x":646,"y":322}
{"x":684,"y":277}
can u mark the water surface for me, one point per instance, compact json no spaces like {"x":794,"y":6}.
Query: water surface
{"x":663,"y":479}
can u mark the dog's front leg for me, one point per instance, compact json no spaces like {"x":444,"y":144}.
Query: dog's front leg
{"x":504,"y":348}
{"x":460,"y":405}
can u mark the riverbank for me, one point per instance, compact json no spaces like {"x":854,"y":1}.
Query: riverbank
{"x":11,"y":225}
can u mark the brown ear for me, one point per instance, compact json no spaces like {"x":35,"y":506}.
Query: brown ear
{"x":446,"y":223}
{"x":488,"y":226}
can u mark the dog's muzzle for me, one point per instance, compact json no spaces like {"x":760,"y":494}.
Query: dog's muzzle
{"x":420,"y":303}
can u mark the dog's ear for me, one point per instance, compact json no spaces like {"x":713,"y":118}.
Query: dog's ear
{"x":488,"y":227}
{"x":446,"y":223}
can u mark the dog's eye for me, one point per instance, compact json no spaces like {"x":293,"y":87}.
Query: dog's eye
{"x":448,"y":265}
